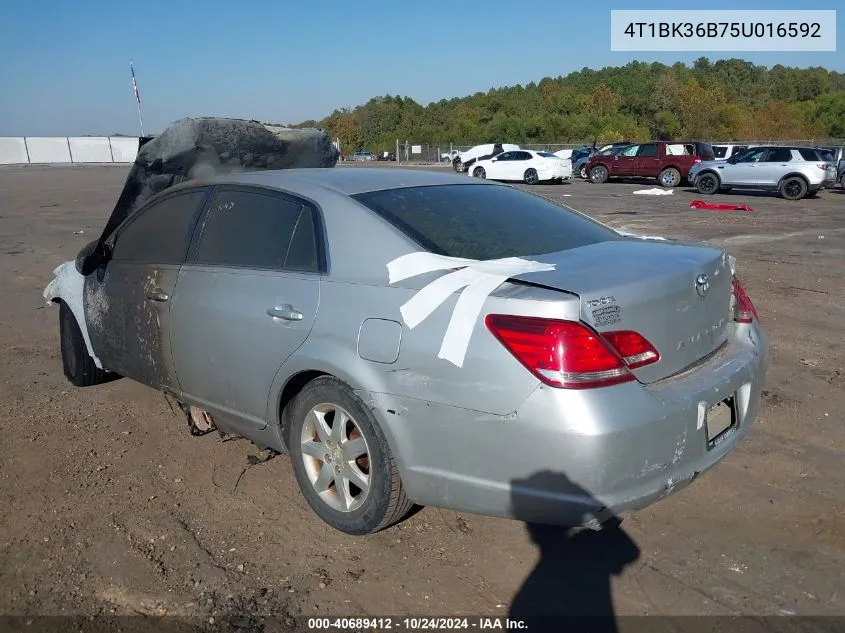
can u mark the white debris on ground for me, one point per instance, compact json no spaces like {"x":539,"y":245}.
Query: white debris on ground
{"x":656,"y":191}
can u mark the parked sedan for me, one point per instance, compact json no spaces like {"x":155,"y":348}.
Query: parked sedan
{"x":525,"y":166}
{"x":629,"y":365}
{"x":793,"y":172}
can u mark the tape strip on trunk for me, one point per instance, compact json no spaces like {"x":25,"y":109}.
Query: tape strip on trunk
{"x":478,"y":278}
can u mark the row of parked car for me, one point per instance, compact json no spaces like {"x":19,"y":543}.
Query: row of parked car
{"x":792,"y":171}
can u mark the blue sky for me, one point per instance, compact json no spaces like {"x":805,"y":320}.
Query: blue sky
{"x":65,"y":64}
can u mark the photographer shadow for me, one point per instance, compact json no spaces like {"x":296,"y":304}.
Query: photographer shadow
{"x":572,"y":580}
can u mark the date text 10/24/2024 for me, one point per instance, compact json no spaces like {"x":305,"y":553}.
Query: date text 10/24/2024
{"x":415,"y":624}
{"x":723,"y":30}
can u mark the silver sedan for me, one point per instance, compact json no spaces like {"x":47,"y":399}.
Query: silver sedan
{"x":414,"y":338}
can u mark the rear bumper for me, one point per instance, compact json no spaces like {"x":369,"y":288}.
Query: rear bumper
{"x":570,"y":457}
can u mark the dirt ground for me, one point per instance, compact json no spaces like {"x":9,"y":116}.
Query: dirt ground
{"x":109,"y":505}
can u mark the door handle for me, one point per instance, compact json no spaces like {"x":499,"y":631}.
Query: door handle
{"x":285,"y":312}
{"x":157,"y":294}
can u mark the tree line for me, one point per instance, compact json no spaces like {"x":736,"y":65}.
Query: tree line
{"x":725,"y":100}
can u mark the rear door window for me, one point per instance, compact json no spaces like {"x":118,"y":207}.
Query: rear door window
{"x":484,"y":221}
{"x":648,"y":150}
{"x":256,"y":229}
{"x":778,"y":155}
{"x":161,"y":233}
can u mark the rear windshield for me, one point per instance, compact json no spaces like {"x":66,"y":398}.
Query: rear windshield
{"x":546,"y":154}
{"x":484,"y":221}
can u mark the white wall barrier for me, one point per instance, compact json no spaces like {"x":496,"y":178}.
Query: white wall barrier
{"x":63,"y":149}
{"x":43,"y":149}
{"x":90,"y":150}
{"x":124,"y":149}
{"x":12,"y":151}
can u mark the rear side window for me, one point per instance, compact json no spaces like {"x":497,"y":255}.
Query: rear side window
{"x":484,"y":221}
{"x":814,"y":155}
{"x":778,"y":155}
{"x":648,"y":150}
{"x":160,"y":234}
{"x":720,"y":151}
{"x":252,"y":229}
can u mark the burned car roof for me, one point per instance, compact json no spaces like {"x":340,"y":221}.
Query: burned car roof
{"x":198,"y":149}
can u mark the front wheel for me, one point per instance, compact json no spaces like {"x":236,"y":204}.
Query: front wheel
{"x":341,"y":460}
{"x":842,"y":181}
{"x":583,"y":172}
{"x":79,"y":368}
{"x":599,"y":174}
{"x":670,"y":177}
{"x":479,"y":172}
{"x":457,"y":165}
{"x":530,"y":177}
{"x":793,"y":188}
{"x":707,"y":184}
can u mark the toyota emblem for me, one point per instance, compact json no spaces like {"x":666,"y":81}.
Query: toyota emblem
{"x":702,"y":285}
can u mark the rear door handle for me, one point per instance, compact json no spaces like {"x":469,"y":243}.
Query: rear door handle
{"x":285,"y":312}
{"x":157,"y":294}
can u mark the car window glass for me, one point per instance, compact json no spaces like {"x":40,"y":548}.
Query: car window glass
{"x":505,"y":156}
{"x":302,"y":254}
{"x":720,"y":151}
{"x":479,"y":222}
{"x":739,"y":149}
{"x":811,"y":154}
{"x":648,"y":150}
{"x":160,"y":234}
{"x":630,"y":151}
{"x":524,"y":156}
{"x":752,"y":156}
{"x":778,"y":155}
{"x":248,"y":229}
{"x":547,"y":155}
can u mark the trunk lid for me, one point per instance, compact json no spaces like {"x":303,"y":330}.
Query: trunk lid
{"x":649,"y":287}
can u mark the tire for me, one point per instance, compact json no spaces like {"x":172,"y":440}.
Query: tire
{"x":479,"y":172}
{"x":530,"y":177}
{"x":669,"y":177}
{"x":793,"y":188}
{"x":375,"y":508}
{"x":583,"y":172}
{"x":79,"y":368}
{"x":707,"y":184}
{"x":598,"y":174}
{"x":842,"y":181}
{"x":457,"y":165}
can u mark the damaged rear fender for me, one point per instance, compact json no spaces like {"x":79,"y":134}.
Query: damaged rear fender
{"x":68,"y":286}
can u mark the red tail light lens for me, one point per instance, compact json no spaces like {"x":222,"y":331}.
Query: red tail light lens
{"x":568,"y":354}
{"x":744,"y":310}
{"x":634,"y":349}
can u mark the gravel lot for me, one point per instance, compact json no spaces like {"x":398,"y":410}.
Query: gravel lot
{"x":110,"y":506}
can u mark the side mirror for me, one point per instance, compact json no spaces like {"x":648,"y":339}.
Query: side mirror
{"x":91,"y":257}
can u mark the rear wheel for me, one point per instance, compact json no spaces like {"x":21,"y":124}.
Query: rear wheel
{"x":670,"y":177}
{"x":793,"y":188}
{"x":341,"y":459}
{"x":599,"y":174}
{"x":583,"y":172}
{"x":457,"y":165}
{"x":842,"y":181}
{"x":479,"y":172}
{"x":80,"y":369}
{"x":530,"y":177}
{"x":707,"y":184}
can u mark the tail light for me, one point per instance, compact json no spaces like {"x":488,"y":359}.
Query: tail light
{"x":743,"y":310}
{"x":696,"y":159}
{"x":568,"y":354}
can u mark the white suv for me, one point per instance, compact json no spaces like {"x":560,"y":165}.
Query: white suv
{"x":793,"y":172}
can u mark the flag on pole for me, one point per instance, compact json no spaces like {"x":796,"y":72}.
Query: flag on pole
{"x":135,"y":84}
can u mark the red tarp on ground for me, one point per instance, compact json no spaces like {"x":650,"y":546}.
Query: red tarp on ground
{"x":709,"y":206}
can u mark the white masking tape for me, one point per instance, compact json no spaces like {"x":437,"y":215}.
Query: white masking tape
{"x":477,"y":278}
{"x":642,"y":237}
